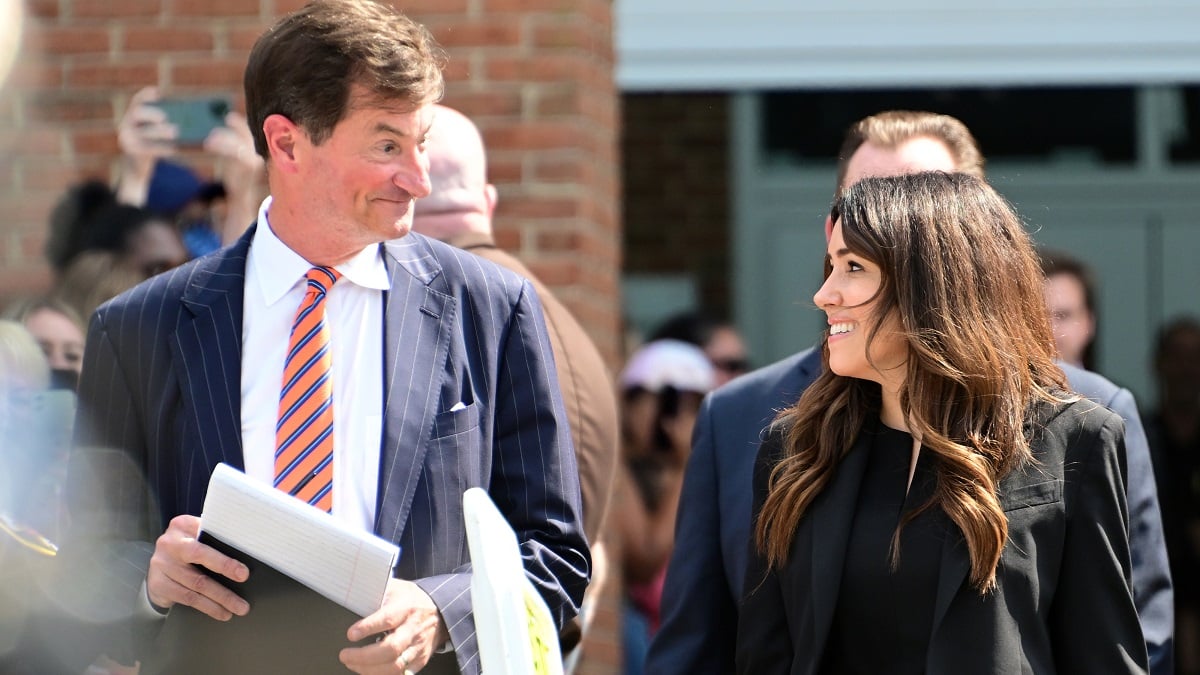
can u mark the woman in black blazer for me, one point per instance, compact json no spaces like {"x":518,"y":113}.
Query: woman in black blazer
{"x":937,"y":501}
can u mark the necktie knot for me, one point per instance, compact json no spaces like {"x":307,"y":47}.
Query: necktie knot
{"x":321,"y":279}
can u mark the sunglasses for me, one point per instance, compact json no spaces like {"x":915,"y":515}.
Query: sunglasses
{"x":731,"y":365}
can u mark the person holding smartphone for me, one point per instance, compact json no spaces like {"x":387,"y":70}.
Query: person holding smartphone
{"x":154,"y":130}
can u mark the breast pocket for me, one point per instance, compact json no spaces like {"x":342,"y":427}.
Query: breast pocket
{"x":1031,"y":494}
{"x":453,"y":422}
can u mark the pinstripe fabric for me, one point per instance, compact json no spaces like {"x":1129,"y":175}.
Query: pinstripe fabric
{"x":160,"y":383}
{"x":304,"y":433}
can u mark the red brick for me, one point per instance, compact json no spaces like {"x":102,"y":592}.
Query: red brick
{"x":494,"y":102}
{"x":533,"y":69}
{"x":501,"y":31}
{"x":557,"y":240}
{"x":573,"y":33}
{"x":95,"y":142}
{"x":34,"y":211}
{"x":42,"y":174}
{"x":563,"y":170}
{"x":23,"y":281}
{"x":534,"y":136}
{"x":42,"y":9}
{"x":113,"y":75}
{"x":242,"y":38}
{"x":278,"y":8}
{"x":70,"y":107}
{"x":163,"y":39}
{"x":32,"y":142}
{"x":33,"y":74}
{"x":457,"y":69}
{"x":214,"y":8}
{"x":528,"y":207}
{"x":115,"y":9}
{"x":58,"y":40}
{"x":209,"y":73}
{"x":558,"y":100}
{"x":417,"y":9}
{"x":530,"y":6}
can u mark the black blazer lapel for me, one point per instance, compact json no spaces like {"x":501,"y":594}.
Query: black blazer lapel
{"x":207,"y":351}
{"x":417,"y":325}
{"x":832,"y":515}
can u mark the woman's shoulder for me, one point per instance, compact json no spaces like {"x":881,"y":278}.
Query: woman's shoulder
{"x":1075,"y":432}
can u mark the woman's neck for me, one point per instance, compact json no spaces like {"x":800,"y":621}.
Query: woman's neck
{"x":890,"y":412}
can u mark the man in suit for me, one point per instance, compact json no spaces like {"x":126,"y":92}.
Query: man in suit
{"x":704,"y":582}
{"x":459,"y":212}
{"x":435,"y":364}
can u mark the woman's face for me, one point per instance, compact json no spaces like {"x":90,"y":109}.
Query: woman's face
{"x":848,"y":299}
{"x":59,"y":338}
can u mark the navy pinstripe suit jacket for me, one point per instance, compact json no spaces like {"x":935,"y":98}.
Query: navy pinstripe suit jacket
{"x":161,"y":391}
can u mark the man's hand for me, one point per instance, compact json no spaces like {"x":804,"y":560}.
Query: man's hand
{"x":410,"y":630}
{"x":172,"y":579}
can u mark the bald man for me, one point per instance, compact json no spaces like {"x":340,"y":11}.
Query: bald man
{"x":459,"y":211}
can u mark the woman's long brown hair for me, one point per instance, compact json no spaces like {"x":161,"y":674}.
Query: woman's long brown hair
{"x":960,"y":275}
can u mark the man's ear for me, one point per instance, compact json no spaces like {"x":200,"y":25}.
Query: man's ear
{"x":491,"y":197}
{"x":282,"y":135}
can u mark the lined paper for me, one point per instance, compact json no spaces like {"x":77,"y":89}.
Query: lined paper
{"x":350,"y":567}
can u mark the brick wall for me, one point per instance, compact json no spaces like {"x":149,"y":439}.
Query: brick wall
{"x":536,"y":75}
{"x":674,"y":150}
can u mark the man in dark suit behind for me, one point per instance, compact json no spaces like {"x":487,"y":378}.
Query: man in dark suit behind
{"x":442,"y":377}
{"x":459,"y":212}
{"x":705,"y":578}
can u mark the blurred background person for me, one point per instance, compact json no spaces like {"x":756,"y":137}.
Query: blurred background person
{"x":26,"y":548}
{"x":1071,"y":299}
{"x":1174,"y":433}
{"x":720,"y":340}
{"x":459,"y":211}
{"x":89,"y":218}
{"x":209,"y":214}
{"x":59,"y":331}
{"x":661,"y":388}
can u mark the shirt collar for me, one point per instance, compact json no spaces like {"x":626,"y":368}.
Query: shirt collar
{"x":279,"y":268}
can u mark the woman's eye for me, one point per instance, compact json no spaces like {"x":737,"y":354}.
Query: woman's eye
{"x":853,"y":266}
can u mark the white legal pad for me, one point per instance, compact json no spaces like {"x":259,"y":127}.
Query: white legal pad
{"x":348,"y":566}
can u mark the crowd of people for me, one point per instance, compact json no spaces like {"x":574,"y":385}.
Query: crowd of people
{"x":938,"y":483}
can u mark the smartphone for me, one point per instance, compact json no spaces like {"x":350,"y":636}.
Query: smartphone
{"x":194,"y":117}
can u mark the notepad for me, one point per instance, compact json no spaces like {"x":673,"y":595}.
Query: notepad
{"x":345,"y":565}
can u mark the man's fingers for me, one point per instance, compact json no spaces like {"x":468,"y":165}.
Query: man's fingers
{"x":212,"y":559}
{"x":398,"y":648}
{"x":200,"y":589}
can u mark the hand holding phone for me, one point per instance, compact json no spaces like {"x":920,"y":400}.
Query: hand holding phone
{"x":194,"y":118}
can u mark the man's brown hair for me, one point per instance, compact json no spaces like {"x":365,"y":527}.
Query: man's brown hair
{"x":305,"y":66}
{"x":891,"y":128}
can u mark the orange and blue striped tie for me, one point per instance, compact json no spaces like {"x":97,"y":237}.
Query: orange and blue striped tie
{"x":304,"y":433}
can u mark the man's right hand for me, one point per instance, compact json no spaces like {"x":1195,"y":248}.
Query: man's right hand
{"x":172,"y":579}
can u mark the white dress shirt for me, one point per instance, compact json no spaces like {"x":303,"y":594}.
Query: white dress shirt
{"x":354,"y":313}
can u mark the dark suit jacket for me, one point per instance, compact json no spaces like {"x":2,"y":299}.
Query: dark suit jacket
{"x":587,"y":388}
{"x":1063,"y":602}
{"x":704,"y":579}
{"x":161,"y":389}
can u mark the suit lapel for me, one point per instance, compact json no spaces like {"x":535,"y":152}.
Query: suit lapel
{"x":831,"y":516}
{"x":207,"y":349}
{"x":416,"y":337}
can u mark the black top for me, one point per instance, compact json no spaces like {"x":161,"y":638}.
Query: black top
{"x":883,"y":617}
